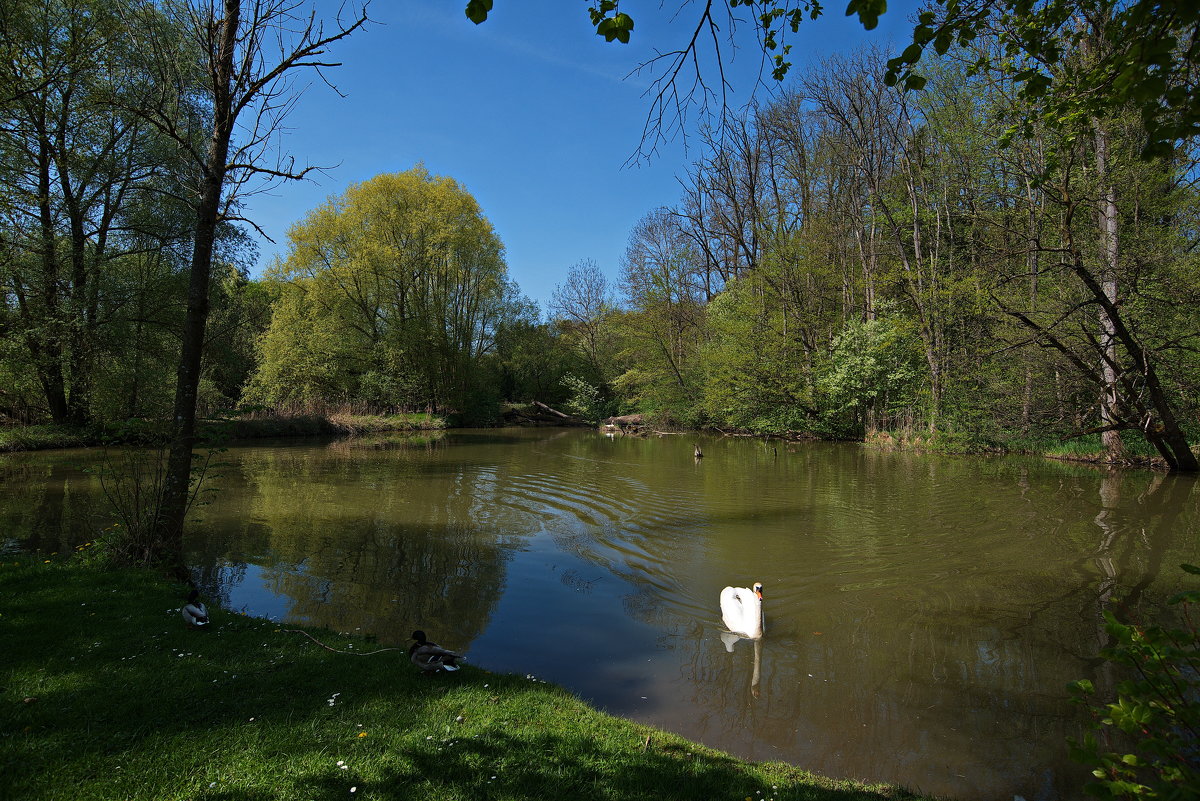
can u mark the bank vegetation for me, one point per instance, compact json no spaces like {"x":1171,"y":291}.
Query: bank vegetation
{"x":969,"y":266}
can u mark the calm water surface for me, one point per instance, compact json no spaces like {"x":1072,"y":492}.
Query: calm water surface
{"x":923,"y":614}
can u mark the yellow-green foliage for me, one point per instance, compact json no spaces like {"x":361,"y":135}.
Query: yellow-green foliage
{"x":388,"y":295}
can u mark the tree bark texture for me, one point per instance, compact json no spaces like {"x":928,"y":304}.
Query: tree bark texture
{"x":177,"y":482}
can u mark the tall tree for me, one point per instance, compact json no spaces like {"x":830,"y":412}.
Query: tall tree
{"x":1120,"y":352}
{"x":392,"y":293}
{"x":76,"y":163}
{"x":659,"y":278}
{"x":583,"y":306}
{"x":238,"y":57}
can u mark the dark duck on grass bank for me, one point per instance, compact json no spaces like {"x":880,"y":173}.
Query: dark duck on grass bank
{"x":431,"y":657}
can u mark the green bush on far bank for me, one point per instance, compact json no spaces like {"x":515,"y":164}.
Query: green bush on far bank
{"x":108,"y":695}
{"x":44,"y":437}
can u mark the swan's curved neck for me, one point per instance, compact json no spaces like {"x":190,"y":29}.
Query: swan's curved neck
{"x":754,"y":617}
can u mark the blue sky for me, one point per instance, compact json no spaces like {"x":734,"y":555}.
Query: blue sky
{"x":531,"y":111}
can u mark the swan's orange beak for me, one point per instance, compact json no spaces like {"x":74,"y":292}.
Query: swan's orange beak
{"x":759,"y":594}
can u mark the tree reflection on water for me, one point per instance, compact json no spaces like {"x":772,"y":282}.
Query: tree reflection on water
{"x":923,"y":613}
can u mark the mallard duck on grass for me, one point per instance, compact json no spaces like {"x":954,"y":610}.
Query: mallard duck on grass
{"x":431,"y":657}
{"x":194,"y":613}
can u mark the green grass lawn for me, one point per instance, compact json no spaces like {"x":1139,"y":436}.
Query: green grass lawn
{"x":107,"y":695}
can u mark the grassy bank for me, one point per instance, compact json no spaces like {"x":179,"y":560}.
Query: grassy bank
{"x":335,"y":423}
{"x":1089,"y":449}
{"x":107,"y":695}
{"x":45,"y":437}
{"x":258,"y":426}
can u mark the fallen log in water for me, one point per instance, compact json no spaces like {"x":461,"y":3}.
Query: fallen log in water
{"x":542,"y":415}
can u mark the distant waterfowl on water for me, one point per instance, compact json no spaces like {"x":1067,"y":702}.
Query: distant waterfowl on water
{"x":431,"y":657}
{"x":741,"y":610}
{"x":194,"y":612}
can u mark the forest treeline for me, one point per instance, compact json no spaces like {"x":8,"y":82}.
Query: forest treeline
{"x":852,"y":258}
{"x":845,"y":259}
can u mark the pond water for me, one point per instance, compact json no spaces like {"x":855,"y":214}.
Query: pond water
{"x":923,"y":614}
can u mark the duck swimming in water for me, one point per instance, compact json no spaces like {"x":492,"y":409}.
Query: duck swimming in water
{"x":194,"y":613}
{"x":431,"y":657}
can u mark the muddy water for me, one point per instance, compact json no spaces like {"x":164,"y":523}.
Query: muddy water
{"x":923,"y":614}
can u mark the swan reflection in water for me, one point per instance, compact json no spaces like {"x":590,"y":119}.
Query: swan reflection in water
{"x":730,"y":639}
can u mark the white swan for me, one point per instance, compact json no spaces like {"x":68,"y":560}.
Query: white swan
{"x":741,"y":610}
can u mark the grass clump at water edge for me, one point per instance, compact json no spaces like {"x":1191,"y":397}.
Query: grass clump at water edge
{"x":44,"y":437}
{"x":106,"y":694}
{"x":1090,"y":449}
{"x":241,"y":427}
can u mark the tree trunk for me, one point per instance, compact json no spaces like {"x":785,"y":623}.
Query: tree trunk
{"x":1114,"y":448}
{"x":1033,"y":263}
{"x":1166,"y":435}
{"x":177,"y":481}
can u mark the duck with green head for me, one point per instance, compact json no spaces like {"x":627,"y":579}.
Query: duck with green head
{"x":431,"y":657}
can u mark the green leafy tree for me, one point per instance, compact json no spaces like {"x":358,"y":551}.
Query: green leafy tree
{"x":78,"y":165}
{"x":391,"y":292}
{"x":531,"y":357}
{"x":305,"y":355}
{"x":754,"y":372}
{"x":585,"y":400}
{"x":660,"y":332}
{"x":874,"y":371}
{"x":1142,"y":56}
{"x":240,"y":314}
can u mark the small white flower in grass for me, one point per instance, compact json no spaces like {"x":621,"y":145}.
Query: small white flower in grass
{"x":354,"y":789}
{"x":341,"y":762}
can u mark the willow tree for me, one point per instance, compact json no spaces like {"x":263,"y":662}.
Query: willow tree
{"x":390,"y":294}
